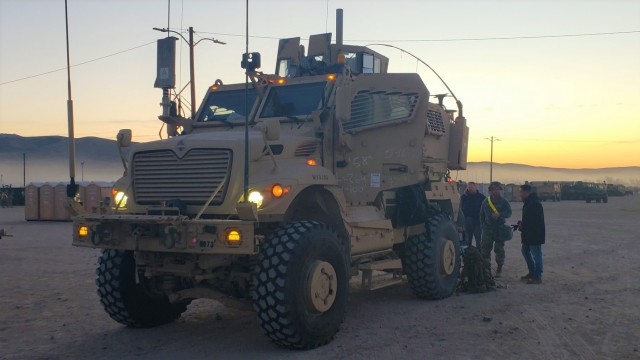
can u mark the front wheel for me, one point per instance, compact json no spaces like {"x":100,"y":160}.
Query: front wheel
{"x":301,"y":285}
{"x":432,"y":259}
{"x":127,"y":301}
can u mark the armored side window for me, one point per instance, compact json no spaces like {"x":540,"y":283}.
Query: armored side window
{"x":367,"y":64}
{"x":380,"y":107}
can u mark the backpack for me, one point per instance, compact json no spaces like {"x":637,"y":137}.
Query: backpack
{"x":472,"y":277}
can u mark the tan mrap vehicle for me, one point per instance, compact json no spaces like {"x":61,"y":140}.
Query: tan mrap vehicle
{"x":346,"y":174}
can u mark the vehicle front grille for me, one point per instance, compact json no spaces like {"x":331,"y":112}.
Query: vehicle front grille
{"x":160,"y":176}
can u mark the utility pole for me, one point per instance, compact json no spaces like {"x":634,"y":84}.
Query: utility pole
{"x":82,"y":164}
{"x":24,"y":170}
{"x":192,"y":77}
{"x":492,"y":139}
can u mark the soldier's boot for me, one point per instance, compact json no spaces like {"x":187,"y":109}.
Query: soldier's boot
{"x":499,"y":271}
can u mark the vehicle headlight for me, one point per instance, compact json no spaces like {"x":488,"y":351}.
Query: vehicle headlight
{"x":256,"y":197}
{"x":120,"y":199}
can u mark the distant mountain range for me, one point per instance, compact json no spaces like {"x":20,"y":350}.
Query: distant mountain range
{"x":47,"y":160}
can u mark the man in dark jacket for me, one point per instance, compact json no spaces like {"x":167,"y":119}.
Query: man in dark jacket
{"x":470,"y":203}
{"x":533,"y":234}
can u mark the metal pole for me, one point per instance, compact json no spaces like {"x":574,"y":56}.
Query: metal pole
{"x":72,"y":143}
{"x":339,"y":27}
{"x":24,"y":170}
{"x":82,"y":163}
{"x":246,"y":115}
{"x":491,"y":164}
{"x":492,"y":139}
{"x":192,"y":74}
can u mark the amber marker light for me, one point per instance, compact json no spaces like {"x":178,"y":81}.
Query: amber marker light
{"x":331,"y":77}
{"x":214,"y":87}
{"x":83,"y":230}
{"x":277,"y":190}
{"x":281,"y":81}
{"x":312,"y":162}
{"x":233,"y":237}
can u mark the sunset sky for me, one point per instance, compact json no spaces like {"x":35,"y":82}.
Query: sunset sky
{"x":560,"y":101}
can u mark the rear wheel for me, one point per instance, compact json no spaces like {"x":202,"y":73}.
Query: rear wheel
{"x":126,"y":301}
{"x":301,"y":285}
{"x":432,"y":259}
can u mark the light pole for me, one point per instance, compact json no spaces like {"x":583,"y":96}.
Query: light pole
{"x":492,"y":139}
{"x":82,"y":173}
{"x":192,"y":79}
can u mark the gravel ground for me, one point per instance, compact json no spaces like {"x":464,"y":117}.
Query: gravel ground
{"x":588,"y":306}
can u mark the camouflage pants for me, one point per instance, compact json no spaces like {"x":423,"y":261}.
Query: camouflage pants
{"x":490,"y":242}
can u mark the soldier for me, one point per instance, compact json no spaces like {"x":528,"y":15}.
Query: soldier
{"x":470,"y":203}
{"x":532,"y":231}
{"x":493,"y":213}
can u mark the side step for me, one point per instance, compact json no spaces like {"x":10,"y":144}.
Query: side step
{"x":393,"y":266}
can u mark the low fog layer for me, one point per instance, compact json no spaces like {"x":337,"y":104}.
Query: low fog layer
{"x":56,"y":170}
{"x":47,"y":161}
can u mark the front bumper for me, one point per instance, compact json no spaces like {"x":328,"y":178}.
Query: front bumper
{"x":162,"y":233}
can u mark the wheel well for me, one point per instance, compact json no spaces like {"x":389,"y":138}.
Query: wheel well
{"x":317,"y":203}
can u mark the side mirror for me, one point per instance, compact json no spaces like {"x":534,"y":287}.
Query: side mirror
{"x":124,"y":138}
{"x":271,"y":129}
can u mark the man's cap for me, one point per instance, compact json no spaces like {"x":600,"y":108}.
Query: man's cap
{"x":526,"y":187}
{"x":495,"y":184}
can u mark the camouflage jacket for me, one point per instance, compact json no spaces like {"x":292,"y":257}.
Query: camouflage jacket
{"x":490,"y":225}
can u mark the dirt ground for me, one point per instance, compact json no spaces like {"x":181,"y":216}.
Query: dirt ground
{"x":588,"y":306}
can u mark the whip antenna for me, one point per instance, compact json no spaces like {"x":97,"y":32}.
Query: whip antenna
{"x":72,"y":188}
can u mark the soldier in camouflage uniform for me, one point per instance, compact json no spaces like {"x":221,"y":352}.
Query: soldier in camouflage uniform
{"x":491,"y":221}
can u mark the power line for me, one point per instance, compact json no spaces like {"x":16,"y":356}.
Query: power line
{"x":575,"y":140}
{"x":78,"y":64}
{"x":449,"y":39}
{"x":353,"y":40}
{"x":508,"y":37}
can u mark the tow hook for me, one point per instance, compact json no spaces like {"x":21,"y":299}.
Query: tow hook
{"x":97,"y":234}
{"x":170,"y":236}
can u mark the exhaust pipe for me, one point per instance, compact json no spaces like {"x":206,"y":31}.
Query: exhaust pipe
{"x":339,"y":27}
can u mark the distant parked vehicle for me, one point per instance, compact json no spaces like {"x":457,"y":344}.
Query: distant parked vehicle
{"x":547,"y":190}
{"x":585,"y":191}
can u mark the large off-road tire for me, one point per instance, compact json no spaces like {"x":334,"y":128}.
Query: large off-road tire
{"x":432,"y":259}
{"x":301,"y":285}
{"x":127,"y":302}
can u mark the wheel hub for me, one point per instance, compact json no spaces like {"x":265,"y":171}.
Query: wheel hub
{"x":323,"y":285}
{"x":448,"y":257}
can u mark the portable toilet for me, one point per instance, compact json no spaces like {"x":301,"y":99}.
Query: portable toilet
{"x":47,"y":202}
{"x":60,"y":200}
{"x":31,"y":202}
{"x":92,"y":197}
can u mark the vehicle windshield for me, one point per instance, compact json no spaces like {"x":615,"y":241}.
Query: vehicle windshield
{"x":293,"y":100}
{"x":226,"y":106}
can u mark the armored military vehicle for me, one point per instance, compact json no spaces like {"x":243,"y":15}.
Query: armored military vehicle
{"x":585,"y":191}
{"x":281,"y":193}
{"x":618,"y":190}
{"x":547,"y":190}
